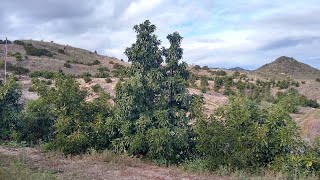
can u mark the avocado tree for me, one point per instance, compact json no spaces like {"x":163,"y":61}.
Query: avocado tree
{"x":152,"y":105}
{"x":10,"y":108}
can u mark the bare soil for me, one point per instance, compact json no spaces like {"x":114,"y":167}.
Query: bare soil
{"x":308,"y":120}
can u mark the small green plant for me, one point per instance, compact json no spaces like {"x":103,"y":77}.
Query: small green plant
{"x":18,"y":56}
{"x":318,"y":80}
{"x":87,"y":79}
{"x":96,"y":88}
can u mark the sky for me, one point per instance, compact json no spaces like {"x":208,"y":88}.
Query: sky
{"x":226,"y":34}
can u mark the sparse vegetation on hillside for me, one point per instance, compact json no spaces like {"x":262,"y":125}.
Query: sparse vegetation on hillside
{"x":15,"y":68}
{"x":32,"y":51}
{"x":285,"y":67}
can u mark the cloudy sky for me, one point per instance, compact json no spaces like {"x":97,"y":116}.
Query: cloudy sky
{"x":216,"y":33}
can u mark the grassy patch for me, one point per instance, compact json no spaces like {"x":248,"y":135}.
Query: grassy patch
{"x":14,"y":168}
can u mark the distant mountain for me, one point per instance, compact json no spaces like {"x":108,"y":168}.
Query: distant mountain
{"x":237,"y":69}
{"x":284,"y":67}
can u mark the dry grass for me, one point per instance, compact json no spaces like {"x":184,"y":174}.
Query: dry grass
{"x":309,"y":121}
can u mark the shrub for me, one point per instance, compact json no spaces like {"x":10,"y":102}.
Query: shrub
{"x":103,"y":69}
{"x":31,"y":50}
{"x":95,"y":62}
{"x":96,"y":88}
{"x":204,"y":84}
{"x":87,"y":79}
{"x":318,"y":80}
{"x":45,"y":74}
{"x":67,"y":65}
{"x":236,"y":74}
{"x":10,"y":108}
{"x":205,"y":68}
{"x":240,"y":139}
{"x":17,"y":69}
{"x":18,"y":56}
{"x":197,"y":67}
{"x":111,"y":62}
{"x":19,"y":42}
{"x":221,"y":73}
{"x":109,"y":80}
{"x":37,"y":123}
{"x":102,"y":75}
{"x":61,"y":51}
{"x":118,"y":66}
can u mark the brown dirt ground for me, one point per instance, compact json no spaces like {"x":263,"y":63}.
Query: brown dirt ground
{"x":309,"y":121}
{"x":98,"y":166}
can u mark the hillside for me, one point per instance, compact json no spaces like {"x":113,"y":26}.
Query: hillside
{"x":285,"y":67}
{"x":80,"y":60}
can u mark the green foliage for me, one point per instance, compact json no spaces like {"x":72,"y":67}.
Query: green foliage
{"x":45,"y":74}
{"x":18,"y":56}
{"x":236,"y":74}
{"x":197,"y":67}
{"x":14,"y":68}
{"x":9,"y":108}
{"x":152,"y":104}
{"x":228,"y":83}
{"x":70,"y":124}
{"x":96,"y":88}
{"x":221,"y":73}
{"x":204,"y":84}
{"x":19,"y":42}
{"x":95,"y":62}
{"x":242,"y":135}
{"x":218,"y":82}
{"x":33,"y":51}
{"x":86,"y":77}
{"x":291,"y":99}
{"x":103,"y":69}
{"x":37,"y":123}
{"x":205,"y":68}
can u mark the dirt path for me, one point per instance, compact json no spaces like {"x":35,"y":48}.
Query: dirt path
{"x":97,"y":166}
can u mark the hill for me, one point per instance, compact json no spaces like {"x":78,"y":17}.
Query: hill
{"x":50,"y":56}
{"x":286,"y":67}
{"x":237,"y":69}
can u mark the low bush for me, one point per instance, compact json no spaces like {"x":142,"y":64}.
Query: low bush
{"x":33,"y":51}
{"x":67,"y":65}
{"x":109,"y":80}
{"x":96,"y":88}
{"x":19,"y":42}
{"x":18,"y":56}
{"x":61,"y":51}
{"x":45,"y":74}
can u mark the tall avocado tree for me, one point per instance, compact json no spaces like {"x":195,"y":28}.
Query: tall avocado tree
{"x":10,"y":108}
{"x":152,"y":104}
